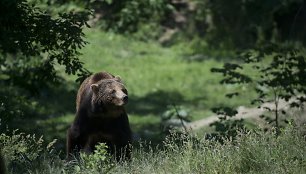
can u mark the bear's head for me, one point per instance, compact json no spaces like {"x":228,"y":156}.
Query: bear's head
{"x":109,"y":93}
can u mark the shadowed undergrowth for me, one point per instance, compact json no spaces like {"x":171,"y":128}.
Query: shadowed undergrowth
{"x":250,"y":152}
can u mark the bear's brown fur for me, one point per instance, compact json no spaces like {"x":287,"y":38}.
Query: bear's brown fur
{"x":100,"y":117}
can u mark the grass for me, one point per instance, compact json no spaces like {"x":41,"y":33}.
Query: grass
{"x":156,"y":77}
{"x":249,"y":152}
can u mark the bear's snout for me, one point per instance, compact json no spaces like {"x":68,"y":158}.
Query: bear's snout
{"x":121,"y":98}
{"x":125,"y":99}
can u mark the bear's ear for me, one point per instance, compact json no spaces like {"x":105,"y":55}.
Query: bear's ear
{"x":118,"y":79}
{"x":94,"y":88}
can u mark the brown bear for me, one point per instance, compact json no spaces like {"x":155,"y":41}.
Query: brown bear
{"x":101,"y":117}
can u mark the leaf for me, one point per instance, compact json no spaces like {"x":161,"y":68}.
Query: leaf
{"x":294,"y":104}
{"x":232,"y":94}
{"x":268,"y":109}
{"x":262,"y":116}
{"x":283,"y":112}
{"x":182,"y":113}
{"x":4,"y":77}
{"x":225,"y":111}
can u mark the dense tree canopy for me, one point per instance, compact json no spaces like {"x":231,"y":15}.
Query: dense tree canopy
{"x":222,"y":23}
{"x":31,"y":43}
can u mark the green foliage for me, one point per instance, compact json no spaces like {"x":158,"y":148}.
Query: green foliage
{"x":232,"y":25}
{"x":174,"y":117}
{"x":27,"y":154}
{"x":23,"y":152}
{"x":225,"y":128}
{"x":32,"y":43}
{"x":98,"y":162}
{"x":218,"y":24}
{"x":251,"y":152}
{"x":55,"y":7}
{"x":11,"y":107}
{"x":33,"y":32}
{"x":125,"y":16}
{"x":280,"y":74}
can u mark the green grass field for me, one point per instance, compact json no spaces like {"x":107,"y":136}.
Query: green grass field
{"x":156,"y":77}
{"x":251,"y":152}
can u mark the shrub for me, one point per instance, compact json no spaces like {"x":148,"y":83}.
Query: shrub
{"x":275,"y":72}
{"x":23,"y":152}
{"x":98,"y":162}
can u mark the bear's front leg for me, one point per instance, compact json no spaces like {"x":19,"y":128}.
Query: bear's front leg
{"x":72,"y":141}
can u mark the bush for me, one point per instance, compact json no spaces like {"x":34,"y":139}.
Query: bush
{"x":126,"y":16}
{"x":32,"y":44}
{"x":98,"y":162}
{"x":275,"y":72}
{"x":24,"y":153}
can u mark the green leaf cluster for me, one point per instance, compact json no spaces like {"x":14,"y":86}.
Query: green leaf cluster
{"x":275,"y":72}
{"x":32,"y":43}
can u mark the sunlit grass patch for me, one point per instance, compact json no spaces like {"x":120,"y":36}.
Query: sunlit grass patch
{"x":156,"y":77}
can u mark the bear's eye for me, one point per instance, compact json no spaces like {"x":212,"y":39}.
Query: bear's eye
{"x":113,"y":91}
{"x":124,"y":90}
